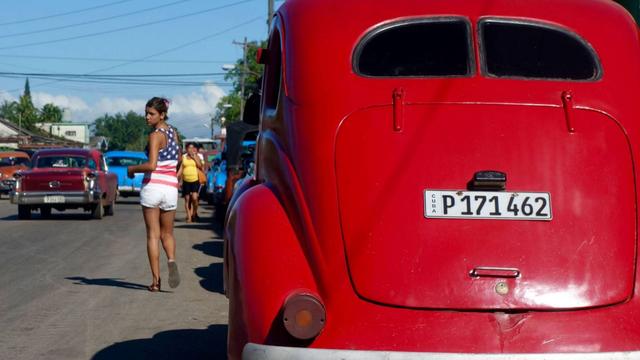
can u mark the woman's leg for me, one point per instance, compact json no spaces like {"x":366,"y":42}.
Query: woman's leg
{"x":194,"y":205}
{"x":169,"y":244}
{"x":187,"y":205}
{"x":166,"y":233}
{"x":152,"y":222}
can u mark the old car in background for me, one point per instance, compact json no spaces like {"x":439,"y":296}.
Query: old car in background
{"x":441,"y":180}
{"x":10,"y":162}
{"x":117,"y":162}
{"x":216,"y":179}
{"x":64,"y":179}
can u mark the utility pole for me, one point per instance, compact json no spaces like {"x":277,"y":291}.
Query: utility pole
{"x":243,"y":72}
{"x":269,"y":16}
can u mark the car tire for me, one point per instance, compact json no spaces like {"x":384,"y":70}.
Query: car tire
{"x":108,"y":210}
{"x":24,"y":212}
{"x":45,"y":212}
{"x":97,"y":211}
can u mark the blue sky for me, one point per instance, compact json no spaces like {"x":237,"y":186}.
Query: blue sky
{"x":125,"y":37}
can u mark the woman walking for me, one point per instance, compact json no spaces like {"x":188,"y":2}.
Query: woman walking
{"x":159,"y":193}
{"x":190,"y":165}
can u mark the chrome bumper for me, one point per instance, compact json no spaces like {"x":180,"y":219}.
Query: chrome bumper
{"x":128,"y":189}
{"x":46,"y":197}
{"x":265,"y":352}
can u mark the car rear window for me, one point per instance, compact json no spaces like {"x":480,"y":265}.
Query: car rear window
{"x":124,"y":161}
{"x":422,"y":48}
{"x":530,"y":50}
{"x":13,"y":161}
{"x":61,"y":162}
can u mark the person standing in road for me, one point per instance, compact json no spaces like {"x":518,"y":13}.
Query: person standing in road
{"x":188,"y":172}
{"x":159,"y":193}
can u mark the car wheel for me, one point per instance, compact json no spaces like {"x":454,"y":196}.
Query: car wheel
{"x":24,"y":212}
{"x":108,"y":210}
{"x":45,"y":211}
{"x":97,"y":211}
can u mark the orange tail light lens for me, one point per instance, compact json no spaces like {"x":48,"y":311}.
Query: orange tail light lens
{"x":303,"y":316}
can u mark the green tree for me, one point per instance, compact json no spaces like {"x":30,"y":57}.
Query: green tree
{"x":28,"y":115}
{"x":51,"y":113}
{"x":9,"y":111}
{"x":124,"y":131}
{"x":229,"y":105}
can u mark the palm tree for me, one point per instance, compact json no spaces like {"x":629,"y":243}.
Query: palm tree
{"x":51,"y":113}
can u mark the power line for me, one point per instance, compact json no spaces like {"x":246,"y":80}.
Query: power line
{"x":127,"y":27}
{"x":110,"y":75}
{"x":120,"y":82}
{"x":65,"y":13}
{"x":160,"y":52}
{"x":207,"y":37}
{"x":66,"y":58}
{"x":93,"y":21}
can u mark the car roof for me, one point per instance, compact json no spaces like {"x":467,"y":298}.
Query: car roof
{"x":320,"y":39}
{"x":4,"y":154}
{"x":125,"y":153}
{"x":65,"y":151}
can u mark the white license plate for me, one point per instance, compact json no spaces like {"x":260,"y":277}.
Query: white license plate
{"x":501,"y":205}
{"x":53,"y":199}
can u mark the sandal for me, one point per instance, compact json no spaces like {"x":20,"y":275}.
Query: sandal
{"x":174,"y":275}
{"x":154,"y":287}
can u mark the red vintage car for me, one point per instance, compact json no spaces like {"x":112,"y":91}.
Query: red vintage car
{"x":10,"y":162}
{"x":64,"y":179}
{"x":441,"y":180}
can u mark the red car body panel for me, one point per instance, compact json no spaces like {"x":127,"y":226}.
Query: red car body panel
{"x":337,"y":208}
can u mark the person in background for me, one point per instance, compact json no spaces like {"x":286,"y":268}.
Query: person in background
{"x":188,"y":172}
{"x":159,"y":193}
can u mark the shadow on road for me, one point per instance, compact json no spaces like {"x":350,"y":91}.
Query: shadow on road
{"x":210,"y":343}
{"x":35,"y":216}
{"x":203,"y":225}
{"x":80,"y":280}
{"x":211,"y":248}
{"x":211,"y":277}
{"x":128,"y":201}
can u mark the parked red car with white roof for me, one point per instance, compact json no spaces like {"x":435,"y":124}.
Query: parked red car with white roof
{"x":64,"y":179}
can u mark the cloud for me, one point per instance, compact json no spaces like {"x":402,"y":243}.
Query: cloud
{"x":190,"y":112}
{"x":72,"y":103}
{"x":6,"y":96}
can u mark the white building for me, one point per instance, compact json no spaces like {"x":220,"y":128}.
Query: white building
{"x":71,"y":131}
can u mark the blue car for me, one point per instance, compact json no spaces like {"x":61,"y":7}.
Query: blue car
{"x":117,"y":162}
{"x":216,"y":181}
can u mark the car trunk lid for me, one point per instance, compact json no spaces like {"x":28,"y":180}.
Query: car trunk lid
{"x":583,"y":257}
{"x":52,"y":179}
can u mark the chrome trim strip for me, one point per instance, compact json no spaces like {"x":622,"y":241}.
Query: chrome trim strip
{"x":266,"y":352}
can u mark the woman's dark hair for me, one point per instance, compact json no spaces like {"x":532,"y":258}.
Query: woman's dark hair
{"x":160,"y":104}
{"x":191,"y":144}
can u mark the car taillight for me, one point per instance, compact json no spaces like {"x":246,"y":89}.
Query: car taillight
{"x":90,"y":180}
{"x":303,"y":316}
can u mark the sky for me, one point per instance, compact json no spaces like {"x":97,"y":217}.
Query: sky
{"x":41,"y":39}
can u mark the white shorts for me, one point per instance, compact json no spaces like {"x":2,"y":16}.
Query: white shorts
{"x":159,"y":196}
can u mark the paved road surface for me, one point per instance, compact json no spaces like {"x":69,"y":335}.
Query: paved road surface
{"x":75,"y":288}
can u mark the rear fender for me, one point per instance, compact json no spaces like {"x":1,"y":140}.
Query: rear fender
{"x":265,"y":265}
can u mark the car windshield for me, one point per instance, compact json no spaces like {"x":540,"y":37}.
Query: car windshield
{"x":61,"y":161}
{"x":13,"y":161}
{"x":124,"y":161}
